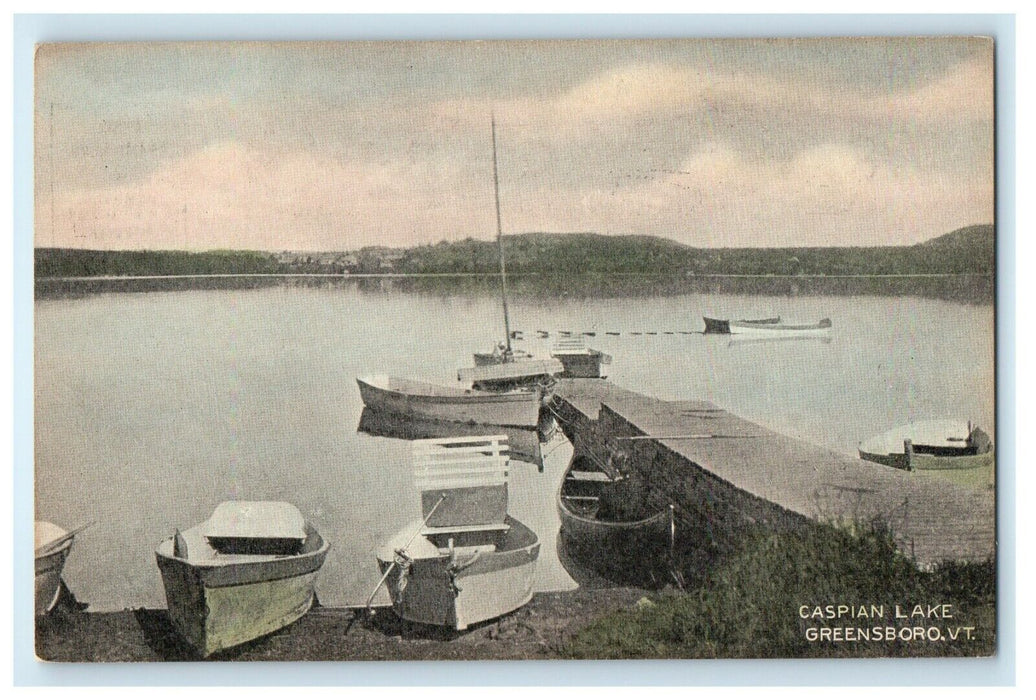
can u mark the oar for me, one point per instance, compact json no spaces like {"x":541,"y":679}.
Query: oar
{"x":696,"y":436}
{"x":391,"y":566}
{"x":54,"y":545}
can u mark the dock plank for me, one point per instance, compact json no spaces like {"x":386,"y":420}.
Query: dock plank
{"x":932,"y":519}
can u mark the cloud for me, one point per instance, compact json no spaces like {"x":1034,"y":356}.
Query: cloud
{"x":829,"y":195}
{"x":707,"y":156}
{"x":963,"y":92}
{"x":230,"y":195}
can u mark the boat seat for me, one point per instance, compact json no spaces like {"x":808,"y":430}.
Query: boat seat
{"x":599,"y":477}
{"x":456,"y":529}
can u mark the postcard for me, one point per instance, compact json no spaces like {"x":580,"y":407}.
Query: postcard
{"x":545,"y":349}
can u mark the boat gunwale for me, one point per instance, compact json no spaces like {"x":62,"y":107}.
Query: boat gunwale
{"x":612,"y":524}
{"x":526,"y":539}
{"x":884,"y":444}
{"x":214,"y":574}
{"x":606,"y":524}
{"x":465,"y":395}
{"x":781,"y":327}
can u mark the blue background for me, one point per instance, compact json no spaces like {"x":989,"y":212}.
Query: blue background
{"x":32,"y":29}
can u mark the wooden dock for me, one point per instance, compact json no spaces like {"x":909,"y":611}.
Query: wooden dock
{"x":725,"y":472}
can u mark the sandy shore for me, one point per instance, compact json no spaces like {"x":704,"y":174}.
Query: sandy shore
{"x":536,"y":631}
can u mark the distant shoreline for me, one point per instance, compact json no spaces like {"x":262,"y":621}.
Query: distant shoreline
{"x":965,"y":287}
{"x":403,"y":275}
{"x":969,"y":251}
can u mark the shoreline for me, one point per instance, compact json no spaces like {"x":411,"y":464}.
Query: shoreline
{"x":538,"y":630}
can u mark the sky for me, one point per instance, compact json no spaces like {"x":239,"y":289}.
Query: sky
{"x":335,"y":146}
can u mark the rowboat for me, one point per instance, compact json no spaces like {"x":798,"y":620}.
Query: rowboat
{"x":578,"y":360}
{"x":722,"y":325}
{"x":513,"y":374}
{"x":933,"y":444}
{"x":518,"y":408}
{"x":52,"y":545}
{"x":603,"y":525}
{"x":247,"y":571}
{"x":523,"y":443}
{"x":467,"y":560}
{"x":775,"y":329}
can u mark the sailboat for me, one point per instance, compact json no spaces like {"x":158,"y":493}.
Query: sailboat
{"x":506,"y":392}
{"x":505,"y":368}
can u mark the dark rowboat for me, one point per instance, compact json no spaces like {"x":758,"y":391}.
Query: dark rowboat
{"x":934,"y":444}
{"x":722,"y":325}
{"x":601,"y":525}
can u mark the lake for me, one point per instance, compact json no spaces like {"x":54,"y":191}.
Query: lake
{"x":151,"y":408}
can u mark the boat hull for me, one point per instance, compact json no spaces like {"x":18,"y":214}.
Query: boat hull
{"x":929,"y":462}
{"x":520,"y":409}
{"x":484,"y":359}
{"x":583,"y":365}
{"x":722,"y":325}
{"x":498,"y":582}
{"x":631,"y":551}
{"x":48,"y":579}
{"x":935,"y":444}
{"x":216,"y":607}
{"x":778,"y":329}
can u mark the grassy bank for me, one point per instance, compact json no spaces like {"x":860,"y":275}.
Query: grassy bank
{"x":751,"y":605}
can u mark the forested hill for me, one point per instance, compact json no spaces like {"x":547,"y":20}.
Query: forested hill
{"x":969,"y":250}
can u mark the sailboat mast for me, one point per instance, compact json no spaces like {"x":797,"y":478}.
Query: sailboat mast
{"x":500,"y":243}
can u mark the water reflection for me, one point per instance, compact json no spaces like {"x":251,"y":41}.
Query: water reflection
{"x":524,"y":445}
{"x":756,"y":340}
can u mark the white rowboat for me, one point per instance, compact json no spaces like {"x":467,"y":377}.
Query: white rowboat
{"x":247,"y":571}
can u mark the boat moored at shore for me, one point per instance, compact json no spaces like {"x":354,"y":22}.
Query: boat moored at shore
{"x":518,"y":408}
{"x":467,"y":560}
{"x":932,"y":444}
{"x":578,"y":360}
{"x":52,"y":546}
{"x":247,"y":571}
{"x":609,"y":527}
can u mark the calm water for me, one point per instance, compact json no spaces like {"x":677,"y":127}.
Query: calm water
{"x":151,"y":408}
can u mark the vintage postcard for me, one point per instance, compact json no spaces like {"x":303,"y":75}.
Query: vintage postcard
{"x":515,"y":350}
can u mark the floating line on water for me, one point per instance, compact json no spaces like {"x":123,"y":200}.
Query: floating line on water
{"x":520,"y":335}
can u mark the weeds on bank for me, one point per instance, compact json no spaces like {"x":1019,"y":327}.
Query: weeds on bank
{"x":751,"y":604}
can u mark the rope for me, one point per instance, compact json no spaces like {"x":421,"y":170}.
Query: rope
{"x":693,"y":436}
{"x":402,"y":555}
{"x":519,"y":335}
{"x":578,"y":442}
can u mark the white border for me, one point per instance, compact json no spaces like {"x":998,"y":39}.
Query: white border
{"x":30,"y":29}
